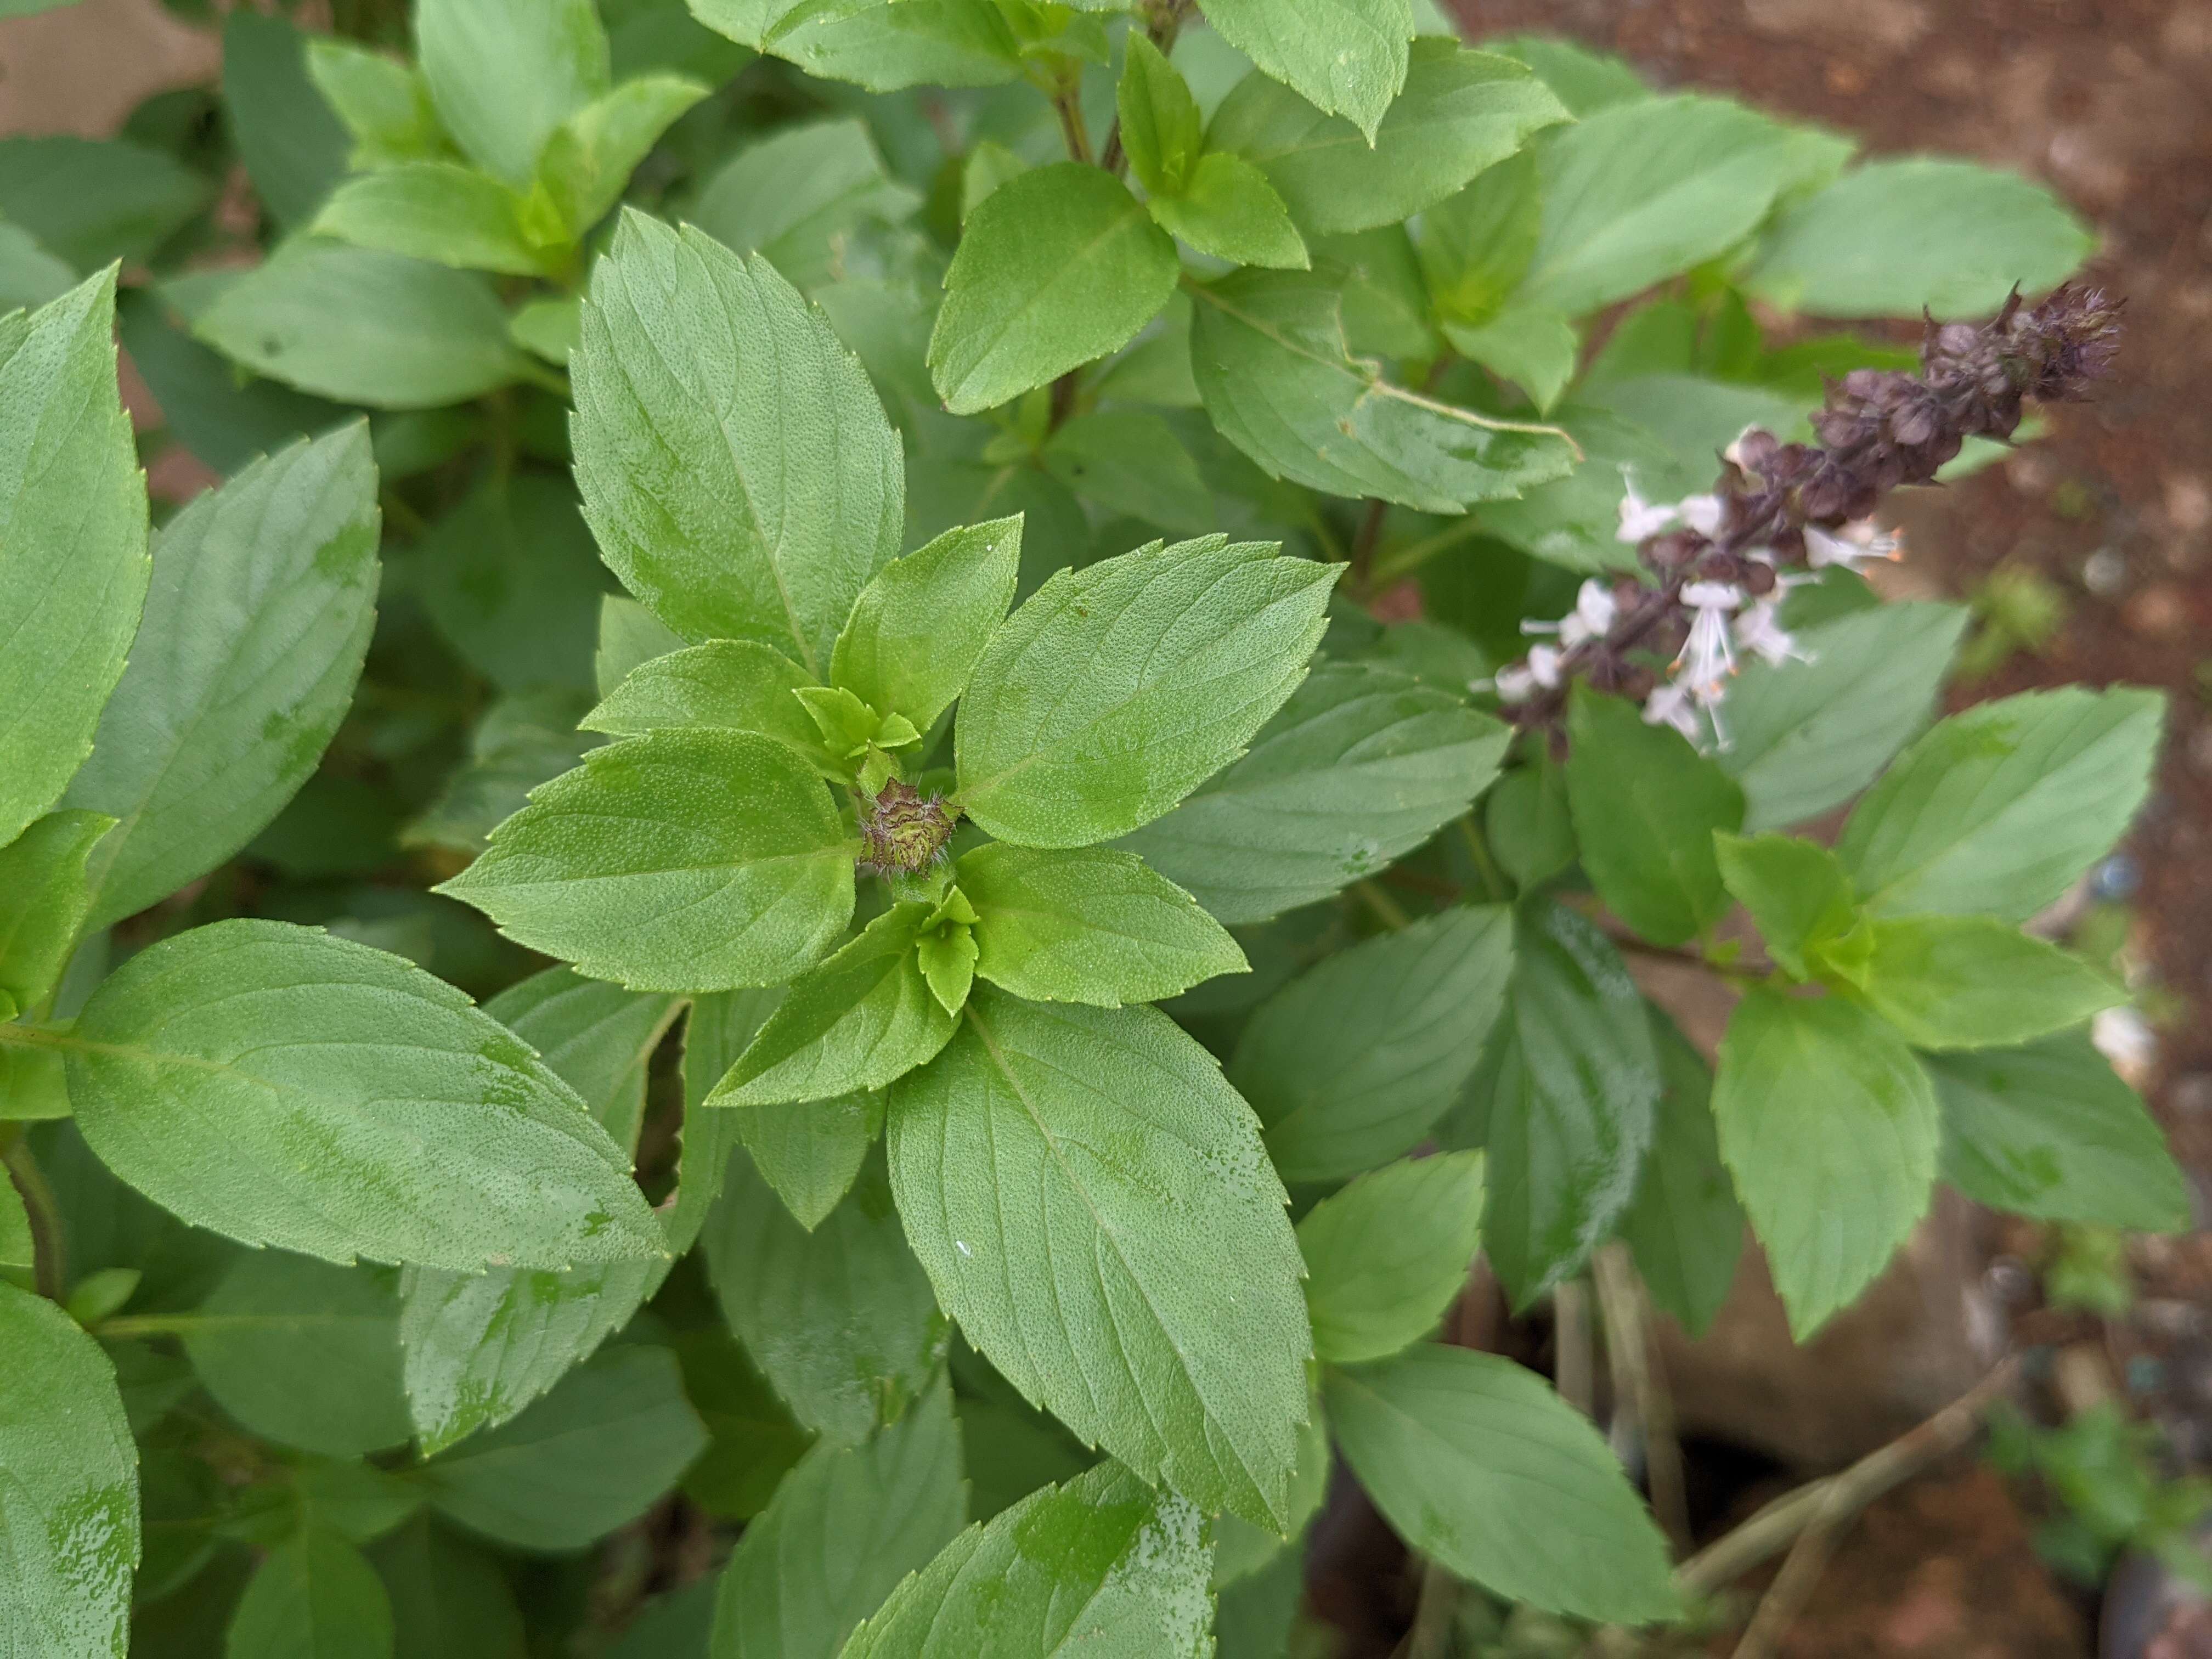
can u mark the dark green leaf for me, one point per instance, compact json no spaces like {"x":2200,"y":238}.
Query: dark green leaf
{"x":410,"y":1126}
{"x":1100,"y":1566}
{"x":449,"y":1598}
{"x":313,"y":1596}
{"x":512,"y":579}
{"x":1092,"y":1204}
{"x":90,"y":203}
{"x":1386,"y":1255}
{"x":1829,"y":1125}
{"x":1131,"y":461}
{"x":2048,"y":1131}
{"x":1572,"y":1092}
{"x":1685,"y":1227}
{"x":263,"y":593}
{"x":1482,"y":1468}
{"x":1351,"y":1064}
{"x":292,"y":146}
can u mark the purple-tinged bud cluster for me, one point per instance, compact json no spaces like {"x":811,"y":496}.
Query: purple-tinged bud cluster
{"x":1780,"y":513}
{"x":904,"y":831}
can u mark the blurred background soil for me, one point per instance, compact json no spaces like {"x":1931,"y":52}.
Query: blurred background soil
{"x":2093,"y":546}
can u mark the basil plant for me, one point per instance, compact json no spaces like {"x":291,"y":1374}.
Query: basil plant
{"x":885,"y":796}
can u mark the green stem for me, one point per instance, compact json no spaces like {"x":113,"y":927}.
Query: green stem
{"x":1391,"y":914}
{"x":48,"y":1252}
{"x":1494,"y":884}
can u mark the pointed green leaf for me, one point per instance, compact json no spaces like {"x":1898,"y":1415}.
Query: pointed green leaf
{"x":412,"y":1125}
{"x":682,"y":861}
{"x":384,"y":103}
{"x":1977,"y":982}
{"x":2048,"y":1131}
{"x":1795,"y":890}
{"x":811,"y":1150}
{"x":505,"y":73}
{"x":591,"y":1457}
{"x":1090,"y":1201}
{"x":1100,"y":1566}
{"x":1482,"y":1468}
{"x":1269,"y":354}
{"x":802,"y":196}
{"x":1999,"y":808}
{"x":92,"y":202}
{"x":1131,"y":461}
{"x":450,"y":1599}
{"x":69,"y":1486}
{"x":1088,"y":925}
{"x":855,"y":1023}
{"x":1347,"y":58}
{"x":43,"y":901}
{"x":739,"y":685}
{"x":1571,"y":1088}
{"x":883,"y":45}
{"x":1386,"y":1255}
{"x":1057,"y":267}
{"x":1359,"y":766}
{"x":1229,"y":209}
{"x":919,"y":626}
{"x":1829,"y":1125}
{"x":1685,"y":1227}
{"x":839,"y":1319}
{"x":258,"y":617}
{"x":1351,"y":1064}
{"x":441,"y":211}
{"x":313,"y":1596}
{"x":1461,"y":112}
{"x":72,"y":542}
{"x":844,"y":1528}
{"x":1162,"y":131}
{"x":734,"y":461}
{"x":589,"y":158}
{"x":1078,"y":723}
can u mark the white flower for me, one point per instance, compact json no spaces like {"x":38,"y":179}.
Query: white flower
{"x":1518,"y":682}
{"x":1669,"y":704}
{"x":1640,"y":519}
{"x":1701,"y":513}
{"x":1707,"y":656}
{"x":1591,"y":617}
{"x":1851,"y":547}
{"x":1759,"y":630}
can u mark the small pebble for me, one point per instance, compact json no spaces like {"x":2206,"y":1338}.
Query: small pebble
{"x":2105,"y":572}
{"x":2116,"y":879}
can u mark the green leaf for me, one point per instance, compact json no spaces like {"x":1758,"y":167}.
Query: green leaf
{"x":1100,"y":1566}
{"x":1808,"y":736}
{"x":91,"y":203}
{"x":1362,"y":765}
{"x":1573,"y":1087}
{"x":1231,"y":211}
{"x":69,"y":1485}
{"x":410,"y":1125}
{"x":511,"y":577}
{"x":919,"y":625}
{"x":1646,"y":807}
{"x":810,"y":1152}
{"x":304,"y":1353}
{"x":1386,"y":1255}
{"x":1088,"y":925}
{"x":590,"y":157}
{"x":1977,"y":982}
{"x":30,"y":275}
{"x":313,"y":1596}
{"x":1354,"y":1060}
{"x":844,"y":1528}
{"x":505,"y":73}
{"x":2047,"y":1131}
{"x":72,"y":542}
{"x":224,"y":422}
{"x":755,"y":1443}
{"x":1584,"y":80}
{"x":1462,"y":112}
{"x":737,"y":685}
{"x":1895,"y":237}
{"x":802,"y":196}
{"x":1685,"y":1227}
{"x":1829,"y":1125}
{"x":293,"y":145}
{"x":694,"y":860}
{"x":735,"y":464}
{"x":450,"y":1599}
{"x":441,"y":211}
{"x":1116,"y":690}
{"x":481,"y":1347}
{"x":18,"y":1250}
{"x":839,"y":1319}
{"x":364,"y":327}
{"x":1162,"y":131}
{"x":1475,"y":246}
{"x":1640,"y":192}
{"x":853,"y":1023}
{"x":1058,"y":266}
{"x":384,"y":103}
{"x":258,"y":618}
{"x":43,"y":899}
{"x":1347,"y":57}
{"x":592,"y":1455}
{"x":1999,"y":808}
{"x":1796,"y":891}
{"x":520,"y":743}
{"x":1480,"y":1466}
{"x":1131,"y":461}
{"x":883,"y":45}
{"x":1091,"y":1201}
{"x":1269,"y":356}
